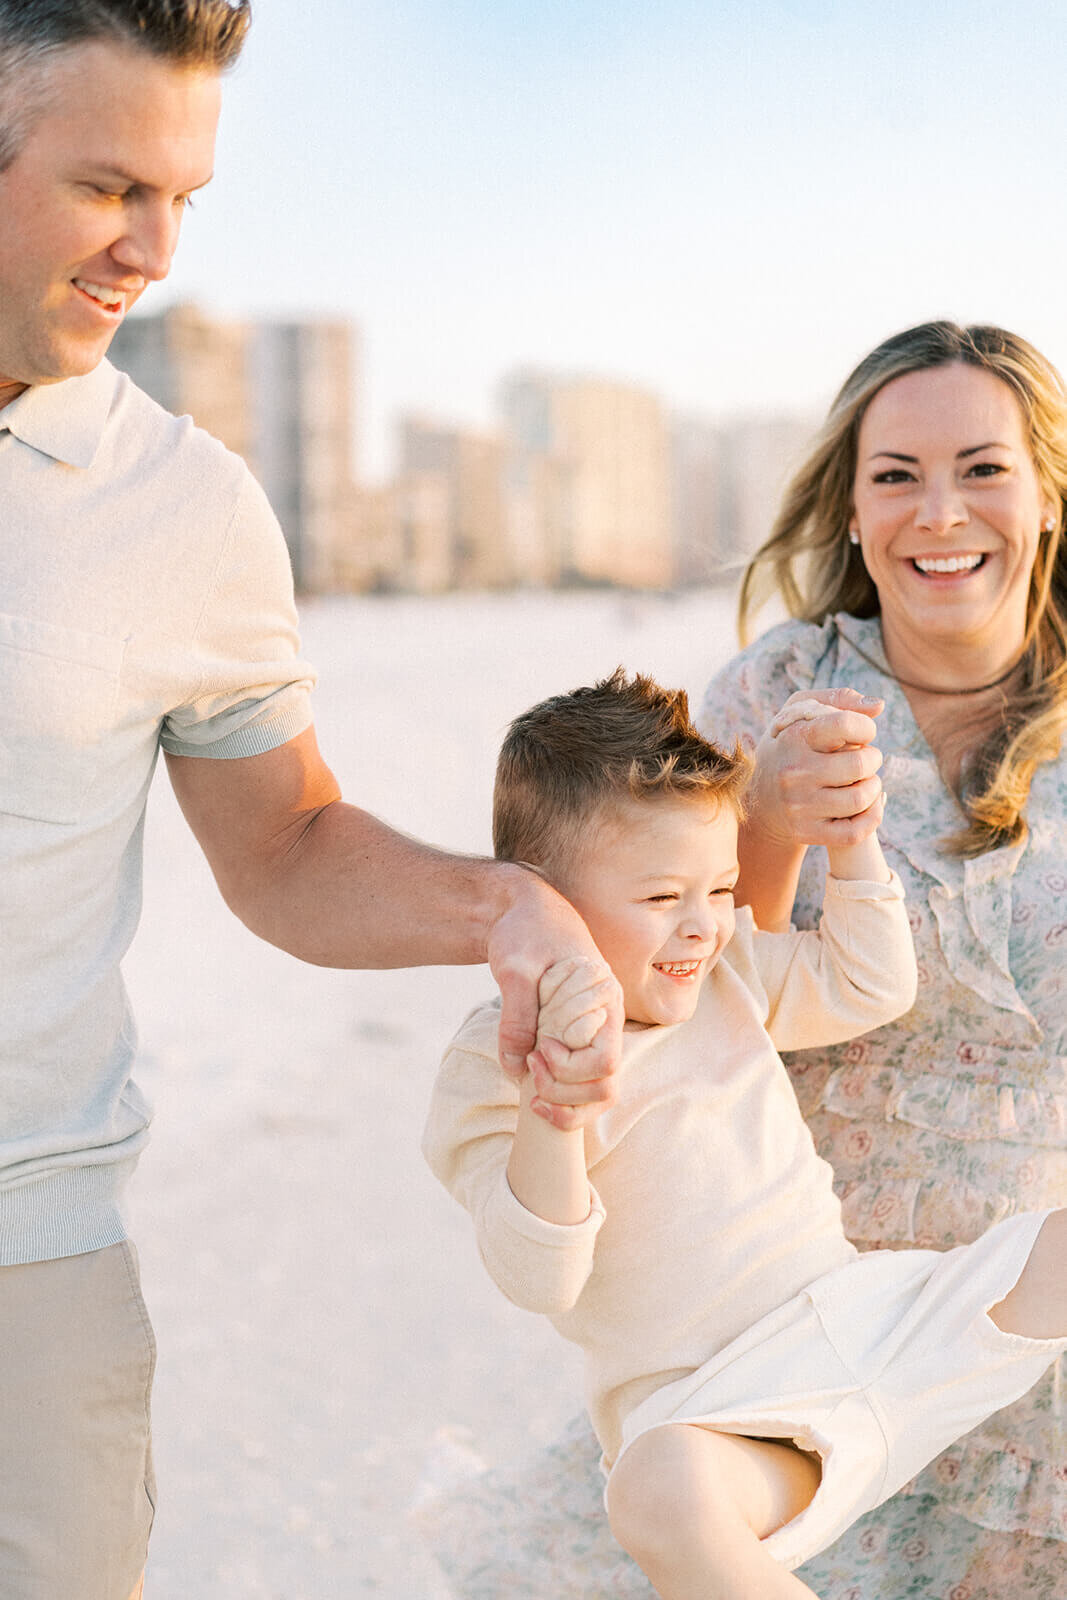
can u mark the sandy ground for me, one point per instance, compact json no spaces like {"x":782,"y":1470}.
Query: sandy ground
{"x":330,"y":1347}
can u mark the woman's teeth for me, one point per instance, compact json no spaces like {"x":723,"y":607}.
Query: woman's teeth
{"x":948,"y":563}
{"x":106,"y":297}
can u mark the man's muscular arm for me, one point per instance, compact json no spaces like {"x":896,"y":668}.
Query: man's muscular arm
{"x":335,"y":886}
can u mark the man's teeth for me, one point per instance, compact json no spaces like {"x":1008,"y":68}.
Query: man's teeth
{"x":96,"y":291}
{"x":948,"y":563}
{"x":677,"y":969}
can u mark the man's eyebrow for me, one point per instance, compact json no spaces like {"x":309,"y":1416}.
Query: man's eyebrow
{"x":104,"y":169}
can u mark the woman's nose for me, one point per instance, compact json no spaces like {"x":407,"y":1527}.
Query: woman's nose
{"x":941,"y":508}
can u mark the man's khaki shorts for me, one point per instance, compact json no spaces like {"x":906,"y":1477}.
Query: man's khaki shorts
{"x":76,"y":1488}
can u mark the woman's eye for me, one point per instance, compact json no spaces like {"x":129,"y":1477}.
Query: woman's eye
{"x":893,"y":475}
{"x":986,"y":469}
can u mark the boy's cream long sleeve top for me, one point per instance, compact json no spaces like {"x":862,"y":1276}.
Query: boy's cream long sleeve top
{"x":709,"y":1207}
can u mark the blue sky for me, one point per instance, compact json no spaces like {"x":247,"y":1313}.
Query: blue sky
{"x":728,"y":203}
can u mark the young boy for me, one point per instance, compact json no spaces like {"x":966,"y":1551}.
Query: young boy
{"x":755,"y":1383}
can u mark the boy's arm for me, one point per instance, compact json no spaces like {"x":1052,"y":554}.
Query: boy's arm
{"x":862,"y":862}
{"x":857,"y":970}
{"x":539,"y":1263}
{"x":546,"y":1170}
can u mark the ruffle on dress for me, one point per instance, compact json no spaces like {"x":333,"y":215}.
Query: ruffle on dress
{"x":1016,"y":1096}
{"x":1002,"y":1490}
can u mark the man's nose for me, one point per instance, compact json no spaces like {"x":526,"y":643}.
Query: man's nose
{"x":148,"y":245}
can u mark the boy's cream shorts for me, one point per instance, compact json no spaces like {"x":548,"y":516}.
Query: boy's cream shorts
{"x":76,"y":1490}
{"x":877,"y":1367}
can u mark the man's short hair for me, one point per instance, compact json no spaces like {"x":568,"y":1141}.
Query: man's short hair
{"x":194,"y":33}
{"x":569,"y":759}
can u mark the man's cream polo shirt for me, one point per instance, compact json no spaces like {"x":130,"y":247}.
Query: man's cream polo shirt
{"x":145,"y":599}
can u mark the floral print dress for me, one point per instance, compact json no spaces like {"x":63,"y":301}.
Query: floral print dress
{"x":946,"y":1120}
{"x":936,"y":1126}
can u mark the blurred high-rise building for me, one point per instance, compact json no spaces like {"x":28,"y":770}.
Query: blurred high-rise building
{"x":280,"y":394}
{"x":728,"y":484}
{"x":606,"y":494}
{"x":700,"y":485}
{"x":460,"y":472}
{"x":762,"y":453}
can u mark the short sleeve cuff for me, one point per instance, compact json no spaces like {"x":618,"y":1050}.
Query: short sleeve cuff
{"x":249,"y":729}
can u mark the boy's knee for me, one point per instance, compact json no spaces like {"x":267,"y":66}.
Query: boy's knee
{"x":635,"y":1496}
{"x":1037,"y":1306}
{"x":656,"y":1492}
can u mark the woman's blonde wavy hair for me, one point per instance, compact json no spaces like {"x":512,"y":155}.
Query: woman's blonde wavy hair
{"x":809,"y":561}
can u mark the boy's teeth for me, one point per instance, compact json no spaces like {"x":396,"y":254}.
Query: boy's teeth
{"x":677,"y":968}
{"x":106,"y":297}
{"x":948,"y":563}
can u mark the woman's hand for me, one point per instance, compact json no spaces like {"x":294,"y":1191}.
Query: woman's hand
{"x":815,"y":782}
{"x":816,"y":777}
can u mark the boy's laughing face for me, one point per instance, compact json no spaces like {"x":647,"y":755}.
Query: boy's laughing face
{"x":655,"y":884}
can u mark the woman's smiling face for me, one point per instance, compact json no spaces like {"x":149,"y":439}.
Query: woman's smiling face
{"x":949,"y":510}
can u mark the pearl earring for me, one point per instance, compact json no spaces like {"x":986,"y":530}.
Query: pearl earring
{"x":853,"y":536}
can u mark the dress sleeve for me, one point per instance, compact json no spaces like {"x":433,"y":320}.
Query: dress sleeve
{"x":540,"y":1266}
{"x":249,"y":691}
{"x":855,"y":972}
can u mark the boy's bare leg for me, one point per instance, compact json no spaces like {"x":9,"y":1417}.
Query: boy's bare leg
{"x":1037,"y":1306}
{"x":691,"y":1506}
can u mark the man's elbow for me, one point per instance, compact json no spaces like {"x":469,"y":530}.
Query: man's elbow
{"x":271,"y":888}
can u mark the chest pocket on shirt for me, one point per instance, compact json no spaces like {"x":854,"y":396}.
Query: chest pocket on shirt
{"x":58,"y":691}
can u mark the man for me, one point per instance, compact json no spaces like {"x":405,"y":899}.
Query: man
{"x":145,"y":601}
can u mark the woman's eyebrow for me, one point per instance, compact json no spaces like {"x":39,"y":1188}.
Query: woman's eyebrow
{"x":972,"y":450}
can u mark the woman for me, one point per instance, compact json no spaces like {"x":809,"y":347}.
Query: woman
{"x":921,"y":553}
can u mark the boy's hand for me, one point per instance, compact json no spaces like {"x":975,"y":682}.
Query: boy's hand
{"x":578,"y":998}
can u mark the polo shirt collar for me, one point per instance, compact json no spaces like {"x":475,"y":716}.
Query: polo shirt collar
{"x":64,"y":420}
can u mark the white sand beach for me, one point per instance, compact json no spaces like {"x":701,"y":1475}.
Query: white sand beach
{"x":330,"y":1346}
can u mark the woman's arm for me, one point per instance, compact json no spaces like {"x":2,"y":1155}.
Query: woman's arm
{"x":814,"y":782}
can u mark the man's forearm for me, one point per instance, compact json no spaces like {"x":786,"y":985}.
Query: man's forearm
{"x":335,"y":886}
{"x":349,"y":891}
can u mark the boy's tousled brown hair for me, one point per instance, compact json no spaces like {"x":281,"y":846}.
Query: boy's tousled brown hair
{"x":569,"y":758}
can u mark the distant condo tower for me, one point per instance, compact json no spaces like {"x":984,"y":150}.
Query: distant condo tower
{"x":590,"y":458}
